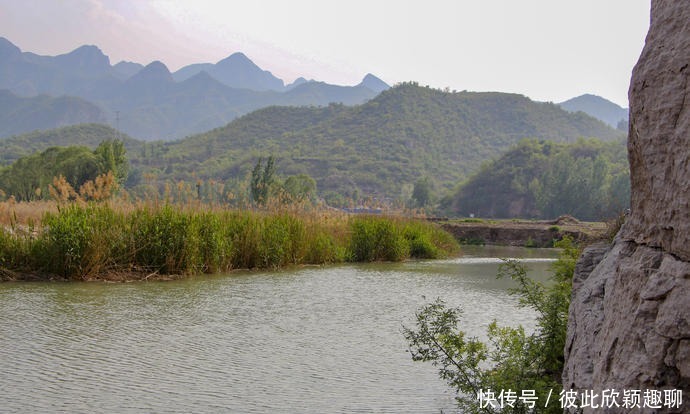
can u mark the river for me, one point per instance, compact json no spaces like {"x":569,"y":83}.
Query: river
{"x":306,"y":340}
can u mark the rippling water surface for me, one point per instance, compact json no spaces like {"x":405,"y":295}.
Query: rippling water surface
{"x":311,"y":340}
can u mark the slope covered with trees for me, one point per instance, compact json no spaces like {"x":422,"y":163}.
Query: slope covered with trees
{"x":20,"y":114}
{"x":29,"y":178}
{"x":409,"y":143}
{"x":87,"y":135}
{"x":379,"y":148}
{"x":588,"y":179}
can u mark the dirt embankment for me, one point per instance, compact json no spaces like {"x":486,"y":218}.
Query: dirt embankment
{"x":523,"y":232}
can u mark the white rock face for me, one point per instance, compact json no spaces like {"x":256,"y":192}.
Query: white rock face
{"x":629,"y":323}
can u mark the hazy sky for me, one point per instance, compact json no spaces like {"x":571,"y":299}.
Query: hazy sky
{"x":549,"y":50}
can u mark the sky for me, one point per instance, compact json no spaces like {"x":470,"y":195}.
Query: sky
{"x":548,"y":50}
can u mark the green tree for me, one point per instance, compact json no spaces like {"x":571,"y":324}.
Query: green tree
{"x":300,"y":187}
{"x":618,"y":193}
{"x":112,"y":155}
{"x":422,"y":192}
{"x":262,"y":180}
{"x":513,"y":359}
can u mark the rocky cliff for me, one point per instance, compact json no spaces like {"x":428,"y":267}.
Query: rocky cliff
{"x":629,"y":324}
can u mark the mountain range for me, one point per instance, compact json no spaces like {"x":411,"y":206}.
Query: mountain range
{"x":152,"y":103}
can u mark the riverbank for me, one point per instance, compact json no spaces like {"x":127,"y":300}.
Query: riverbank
{"x":144,"y":242}
{"x":525,"y":233}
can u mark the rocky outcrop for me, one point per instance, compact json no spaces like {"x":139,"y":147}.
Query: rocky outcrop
{"x":628,"y":327}
{"x":629,"y":324}
{"x":660,"y":133}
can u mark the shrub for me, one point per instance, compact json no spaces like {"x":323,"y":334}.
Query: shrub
{"x":15,"y":249}
{"x":419,"y":239}
{"x":281,"y":241}
{"x":473,"y":241}
{"x":242,"y":238}
{"x":512,"y":359}
{"x":162,"y":242}
{"x":376,"y":238}
{"x":472,"y":220}
{"x":323,"y":249}
{"x":209,"y":244}
{"x":78,"y":242}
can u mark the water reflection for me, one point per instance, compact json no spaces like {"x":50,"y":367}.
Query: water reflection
{"x":312,"y":340}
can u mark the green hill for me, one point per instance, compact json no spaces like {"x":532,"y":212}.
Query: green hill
{"x":19,"y":115}
{"x":588,"y":179}
{"x":379,"y":148}
{"x":88,"y":135}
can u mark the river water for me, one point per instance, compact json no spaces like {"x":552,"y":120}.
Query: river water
{"x":307,"y":340}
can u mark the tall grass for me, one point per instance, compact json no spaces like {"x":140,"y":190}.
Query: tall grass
{"x":85,"y":241}
{"x":382,"y":238}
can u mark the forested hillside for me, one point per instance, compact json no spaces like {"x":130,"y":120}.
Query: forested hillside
{"x":63,"y":171}
{"x":406,"y":135}
{"x":588,"y":179}
{"x":88,"y":135}
{"x":20,"y":114}
{"x":378,"y":148}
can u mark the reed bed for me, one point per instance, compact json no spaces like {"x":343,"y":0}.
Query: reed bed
{"x":127,"y":240}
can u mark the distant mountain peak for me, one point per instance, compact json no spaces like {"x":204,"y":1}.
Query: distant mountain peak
{"x":598,"y":107}
{"x":153,"y":72}
{"x":375,"y":84}
{"x":238,"y":71}
{"x":239,"y":55}
{"x":157,"y":65}
{"x":127,"y":69}
{"x":88,"y":52}
{"x":6,"y":41}
{"x":203,"y":79}
{"x":296,"y":82}
{"x":237,"y":58}
{"x":85,"y":59}
{"x":8,"y":48}
{"x":588,"y":97}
